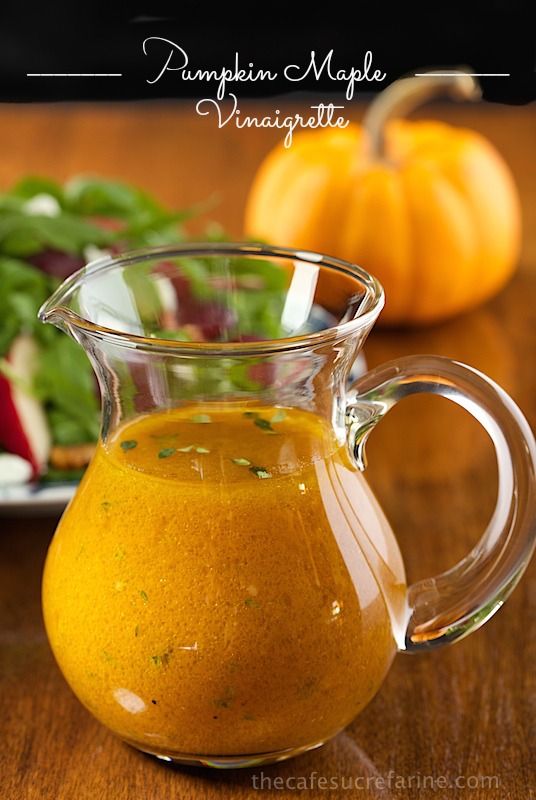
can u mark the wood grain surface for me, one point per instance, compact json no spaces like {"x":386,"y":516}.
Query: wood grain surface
{"x":442,"y":721}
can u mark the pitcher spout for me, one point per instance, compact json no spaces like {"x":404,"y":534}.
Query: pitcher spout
{"x":62,"y":307}
{"x":54,"y":315}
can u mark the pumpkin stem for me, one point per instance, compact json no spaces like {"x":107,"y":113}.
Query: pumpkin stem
{"x":404,"y":95}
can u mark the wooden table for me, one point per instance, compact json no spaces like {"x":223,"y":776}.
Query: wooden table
{"x":453,"y":715}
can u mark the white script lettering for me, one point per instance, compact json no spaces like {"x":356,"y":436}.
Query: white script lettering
{"x":324,"y":118}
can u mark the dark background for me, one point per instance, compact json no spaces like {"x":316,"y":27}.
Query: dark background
{"x":84,"y":36}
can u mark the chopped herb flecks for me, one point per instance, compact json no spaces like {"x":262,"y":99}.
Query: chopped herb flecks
{"x":252,"y":602}
{"x":129,"y":444}
{"x":263,"y":424}
{"x":106,"y":505}
{"x":107,"y":657}
{"x":137,"y":630}
{"x":161,"y":660}
{"x":226,"y":700}
{"x":241,"y":462}
{"x":167,"y":452}
{"x":190,"y":447}
{"x":260,"y":472}
{"x":144,"y":596}
{"x":201,"y":419}
{"x":307,"y":688}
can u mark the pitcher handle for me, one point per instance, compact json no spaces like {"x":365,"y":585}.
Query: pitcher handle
{"x":457,"y":602}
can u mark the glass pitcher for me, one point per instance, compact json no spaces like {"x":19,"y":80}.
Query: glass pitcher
{"x":224,"y":588}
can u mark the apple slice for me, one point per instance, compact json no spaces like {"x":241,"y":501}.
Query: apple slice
{"x":23,"y":425}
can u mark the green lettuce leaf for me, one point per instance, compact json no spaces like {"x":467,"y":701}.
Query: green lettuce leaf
{"x":23,"y":289}
{"x":65,"y":384}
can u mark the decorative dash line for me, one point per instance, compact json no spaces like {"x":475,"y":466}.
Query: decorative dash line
{"x":74,"y":74}
{"x":471,"y":74}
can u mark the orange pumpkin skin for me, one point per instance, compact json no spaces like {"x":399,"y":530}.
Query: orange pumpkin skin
{"x":436,"y":219}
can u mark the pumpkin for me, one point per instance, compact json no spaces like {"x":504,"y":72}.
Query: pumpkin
{"x":430,"y":209}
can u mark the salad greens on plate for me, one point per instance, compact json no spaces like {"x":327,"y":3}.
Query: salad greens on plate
{"x":49,"y":404}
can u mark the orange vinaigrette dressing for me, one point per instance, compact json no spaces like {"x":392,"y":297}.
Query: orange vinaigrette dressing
{"x":224,"y":582}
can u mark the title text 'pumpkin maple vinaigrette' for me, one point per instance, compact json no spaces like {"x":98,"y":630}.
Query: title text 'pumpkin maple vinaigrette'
{"x":183,"y":645}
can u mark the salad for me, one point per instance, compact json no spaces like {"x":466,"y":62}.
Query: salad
{"x":49,"y":403}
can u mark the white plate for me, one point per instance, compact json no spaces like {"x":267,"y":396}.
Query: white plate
{"x":33,"y":499}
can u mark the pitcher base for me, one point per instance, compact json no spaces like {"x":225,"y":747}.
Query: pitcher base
{"x":225,"y":762}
